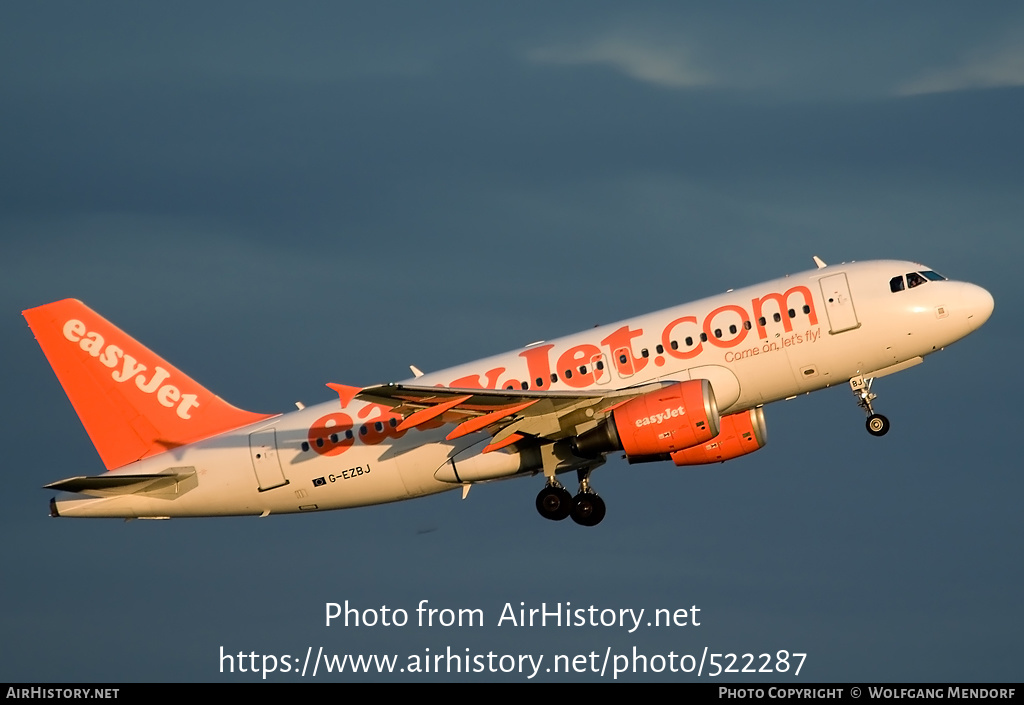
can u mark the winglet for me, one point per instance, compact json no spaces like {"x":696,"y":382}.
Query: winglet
{"x":345,"y":392}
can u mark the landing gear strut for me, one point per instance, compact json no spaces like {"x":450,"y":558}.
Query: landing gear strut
{"x":588,"y":509}
{"x":877,"y":424}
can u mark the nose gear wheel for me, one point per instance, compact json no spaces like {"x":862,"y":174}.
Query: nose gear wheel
{"x":877,"y":424}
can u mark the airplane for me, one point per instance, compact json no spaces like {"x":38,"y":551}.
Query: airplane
{"x":686,"y":384}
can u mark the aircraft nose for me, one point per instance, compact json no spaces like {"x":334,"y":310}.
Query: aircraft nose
{"x":978,"y":304}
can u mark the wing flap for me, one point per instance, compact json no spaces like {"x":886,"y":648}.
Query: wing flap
{"x":481,"y":422}
{"x":510,"y":415}
{"x":429,"y":413}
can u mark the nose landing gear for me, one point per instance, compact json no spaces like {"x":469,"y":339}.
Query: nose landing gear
{"x":877,"y":424}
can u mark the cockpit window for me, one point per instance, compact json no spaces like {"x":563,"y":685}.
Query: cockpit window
{"x":915,"y":279}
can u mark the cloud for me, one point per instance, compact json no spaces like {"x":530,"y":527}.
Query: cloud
{"x":637,"y":57}
{"x":1001,"y":68}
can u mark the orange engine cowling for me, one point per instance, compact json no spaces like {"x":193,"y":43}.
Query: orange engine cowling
{"x":678,"y":416}
{"x":741,"y":433}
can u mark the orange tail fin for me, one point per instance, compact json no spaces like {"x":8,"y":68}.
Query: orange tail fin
{"x":132,"y":403}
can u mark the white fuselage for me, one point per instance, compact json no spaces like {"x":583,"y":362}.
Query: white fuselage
{"x":756,"y":345}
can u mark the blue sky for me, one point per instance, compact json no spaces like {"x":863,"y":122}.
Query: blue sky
{"x":275,"y":197}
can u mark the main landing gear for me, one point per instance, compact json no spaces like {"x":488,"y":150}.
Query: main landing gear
{"x":586,"y":508}
{"x":877,"y":424}
{"x":554,"y":501}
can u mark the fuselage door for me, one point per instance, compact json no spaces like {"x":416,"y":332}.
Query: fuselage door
{"x":838,"y":303}
{"x":263,"y":451}
{"x":599,"y":365}
{"x":623,"y":361}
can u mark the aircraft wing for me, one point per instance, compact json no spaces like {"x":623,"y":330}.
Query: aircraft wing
{"x":509,"y":415}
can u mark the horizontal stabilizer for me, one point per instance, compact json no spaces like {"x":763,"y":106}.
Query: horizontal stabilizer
{"x":167,"y":485}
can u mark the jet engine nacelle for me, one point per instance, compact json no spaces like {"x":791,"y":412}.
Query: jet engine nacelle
{"x":740,"y":434}
{"x":678,"y":416}
{"x":673,"y":418}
